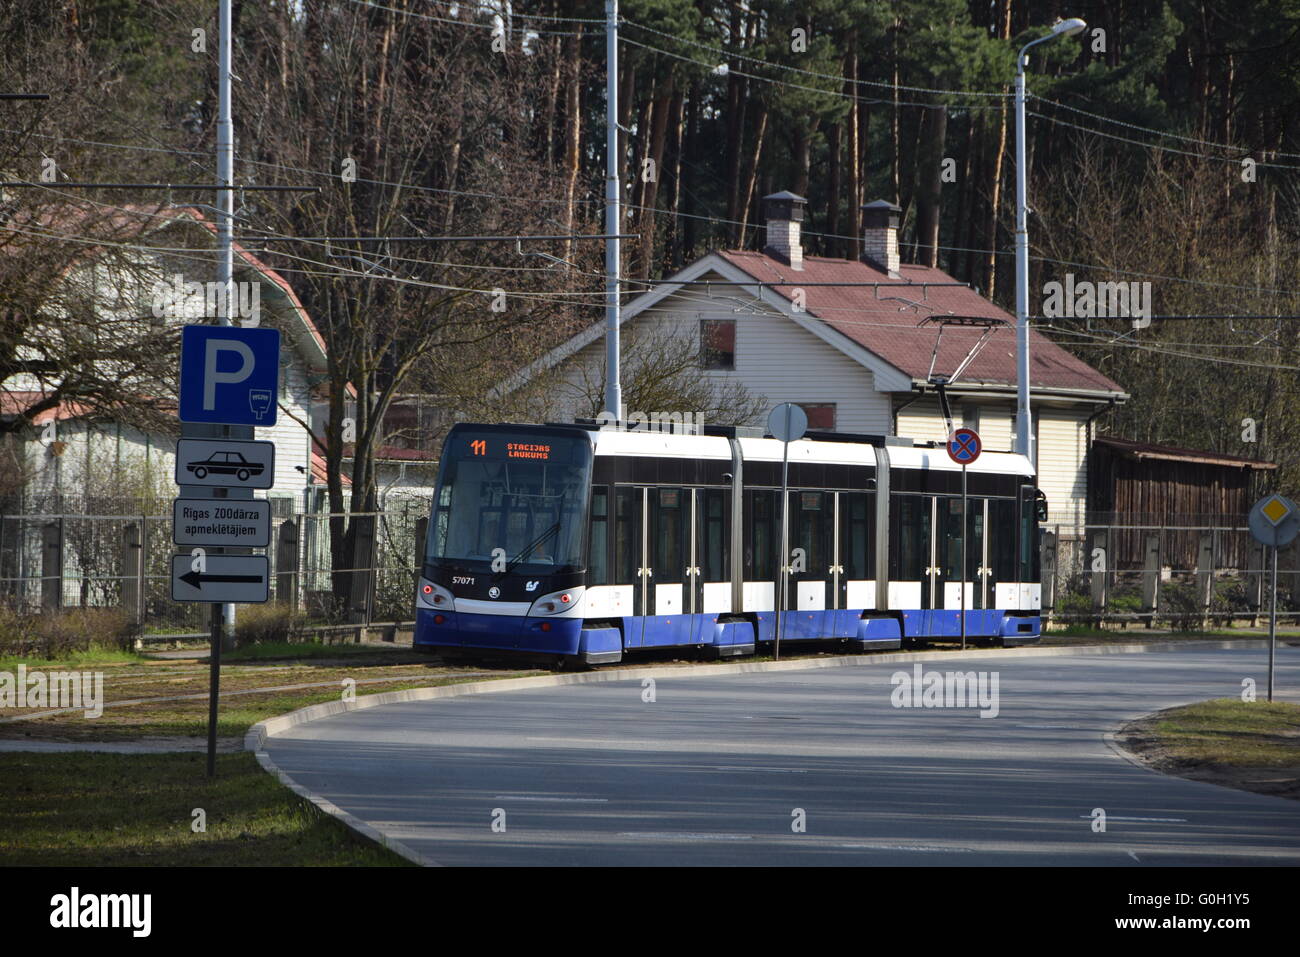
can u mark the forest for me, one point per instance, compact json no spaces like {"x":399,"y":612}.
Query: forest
{"x":1162,"y":147}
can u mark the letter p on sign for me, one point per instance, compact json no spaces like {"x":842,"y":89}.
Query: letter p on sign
{"x":210,"y":374}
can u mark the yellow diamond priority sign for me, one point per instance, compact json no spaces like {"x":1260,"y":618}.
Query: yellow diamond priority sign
{"x":1275,"y":509}
{"x":1274,"y":521}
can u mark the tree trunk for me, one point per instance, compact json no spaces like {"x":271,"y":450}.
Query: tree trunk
{"x":854,"y":158}
{"x":573,"y":135}
{"x":989,"y":241}
{"x":672,"y":242}
{"x":748,"y":199}
{"x":929,"y":170}
{"x":659,"y":113}
{"x":833,"y":199}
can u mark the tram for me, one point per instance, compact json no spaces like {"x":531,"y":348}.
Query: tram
{"x":581,"y":543}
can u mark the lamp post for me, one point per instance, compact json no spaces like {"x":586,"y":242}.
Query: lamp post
{"x":1067,"y":28}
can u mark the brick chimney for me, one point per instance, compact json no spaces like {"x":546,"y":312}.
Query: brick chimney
{"x":880,"y":236}
{"x":784,"y":212}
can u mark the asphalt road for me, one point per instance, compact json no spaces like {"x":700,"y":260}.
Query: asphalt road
{"x":712,"y":771}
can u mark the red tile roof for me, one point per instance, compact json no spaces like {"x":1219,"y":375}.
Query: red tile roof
{"x":889,"y":327}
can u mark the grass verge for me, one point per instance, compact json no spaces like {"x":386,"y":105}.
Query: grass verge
{"x":87,"y":810}
{"x":96,"y":655}
{"x":1254,"y":746}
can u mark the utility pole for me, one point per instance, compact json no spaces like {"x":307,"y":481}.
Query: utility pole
{"x":225,"y":240}
{"x":613,"y":391}
{"x":1067,"y":28}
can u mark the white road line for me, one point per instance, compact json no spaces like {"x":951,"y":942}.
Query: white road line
{"x":924,"y":848}
{"x":539,"y":797}
{"x":684,"y":836}
{"x":1156,"y":820}
{"x":772,"y":770}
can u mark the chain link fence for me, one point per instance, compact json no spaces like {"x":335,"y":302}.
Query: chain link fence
{"x":120,"y":557}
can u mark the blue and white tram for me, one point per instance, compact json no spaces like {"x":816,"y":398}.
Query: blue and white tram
{"x":587,"y":544}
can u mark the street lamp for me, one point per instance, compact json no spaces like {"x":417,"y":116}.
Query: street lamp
{"x":1066,"y":28}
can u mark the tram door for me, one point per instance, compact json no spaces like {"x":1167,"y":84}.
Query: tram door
{"x":854,"y":584}
{"x":710,"y":567}
{"x":629,"y":556}
{"x":948,"y":550}
{"x":811,"y":591}
{"x":666,"y":555}
{"x":1000,"y":553}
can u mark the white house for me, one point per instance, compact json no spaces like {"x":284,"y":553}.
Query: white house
{"x":78,"y":451}
{"x":854,"y":342}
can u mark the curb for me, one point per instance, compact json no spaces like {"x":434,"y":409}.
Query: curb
{"x":255,"y":738}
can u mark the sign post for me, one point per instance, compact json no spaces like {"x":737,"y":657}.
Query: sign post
{"x":1274,"y":522}
{"x":229,"y":376}
{"x":787,"y":422}
{"x":964,"y":448}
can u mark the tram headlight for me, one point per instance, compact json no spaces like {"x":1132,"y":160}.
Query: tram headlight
{"x":432,"y":595}
{"x":558,"y":602}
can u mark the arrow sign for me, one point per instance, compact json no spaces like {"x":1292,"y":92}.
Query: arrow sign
{"x":224,"y":578}
{"x":196,"y":580}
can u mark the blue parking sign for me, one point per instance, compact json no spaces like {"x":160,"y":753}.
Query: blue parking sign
{"x":230,"y":375}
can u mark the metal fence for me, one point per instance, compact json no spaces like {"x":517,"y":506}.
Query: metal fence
{"x":1181,"y":571}
{"x":121,"y":559}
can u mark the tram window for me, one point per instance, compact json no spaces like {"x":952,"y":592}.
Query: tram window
{"x":910,"y":522}
{"x":714,"y":516}
{"x":627,"y":535}
{"x":598,"y":545}
{"x":949,"y":538}
{"x":809,"y":530}
{"x":763,"y":537}
{"x":1028,"y":534}
{"x":667,"y":518}
{"x":442,"y":522}
{"x":857,"y":553}
{"x":1002,"y":548}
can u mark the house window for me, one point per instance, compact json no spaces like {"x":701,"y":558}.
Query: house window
{"x":718,"y":343}
{"x":821,"y":415}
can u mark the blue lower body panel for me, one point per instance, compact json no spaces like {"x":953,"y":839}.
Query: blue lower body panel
{"x":880,"y":632}
{"x":566,"y":636}
{"x":1021,"y":630}
{"x":550,"y":636}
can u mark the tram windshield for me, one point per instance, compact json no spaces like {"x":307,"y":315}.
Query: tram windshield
{"x":523,"y":494}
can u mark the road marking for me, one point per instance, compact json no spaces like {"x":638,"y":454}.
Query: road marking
{"x":1135,"y":857}
{"x":924,"y":848}
{"x":1156,"y":820}
{"x":771,"y":770}
{"x":684,"y":836}
{"x":540,"y":797}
